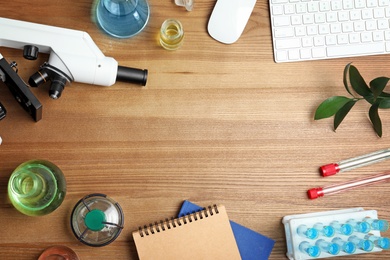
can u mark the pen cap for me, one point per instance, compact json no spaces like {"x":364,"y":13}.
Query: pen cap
{"x":97,"y":220}
{"x":329,"y":169}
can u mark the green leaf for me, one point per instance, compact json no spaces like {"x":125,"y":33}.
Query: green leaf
{"x":340,"y":115}
{"x":378,"y":85}
{"x":384,"y":94}
{"x":345,"y":76}
{"x":375,"y":119}
{"x":358,"y":83}
{"x":384,"y":103}
{"x":330,"y":106}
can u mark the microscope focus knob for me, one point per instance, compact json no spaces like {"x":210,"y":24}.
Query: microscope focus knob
{"x":30,"y":52}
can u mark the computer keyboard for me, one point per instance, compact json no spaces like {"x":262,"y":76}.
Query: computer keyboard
{"x":323,"y":29}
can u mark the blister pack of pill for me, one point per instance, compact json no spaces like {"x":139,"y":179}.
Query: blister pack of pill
{"x":334,"y":233}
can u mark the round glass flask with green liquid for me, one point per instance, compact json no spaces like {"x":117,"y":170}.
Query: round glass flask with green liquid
{"x":36,"y":187}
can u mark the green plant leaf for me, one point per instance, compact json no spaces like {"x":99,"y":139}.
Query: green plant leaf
{"x":342,"y":112}
{"x":378,"y":85}
{"x":384,"y":94}
{"x":375,"y":119}
{"x":330,"y":106}
{"x":345,"y":78}
{"x":358,"y":83}
{"x":384,"y":103}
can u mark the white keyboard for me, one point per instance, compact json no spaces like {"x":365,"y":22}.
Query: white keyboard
{"x":323,"y":29}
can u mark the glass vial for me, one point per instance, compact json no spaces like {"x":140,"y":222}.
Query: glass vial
{"x":310,"y":233}
{"x":327,"y":231}
{"x":377,"y":224}
{"x":381,"y":242}
{"x":171,"y":34}
{"x":346,"y":246}
{"x":363,"y":244}
{"x":36,"y":187}
{"x":344,"y":229}
{"x":310,"y":250}
{"x":328,"y":247}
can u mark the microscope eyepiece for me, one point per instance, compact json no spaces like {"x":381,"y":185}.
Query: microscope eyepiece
{"x":132,"y":75}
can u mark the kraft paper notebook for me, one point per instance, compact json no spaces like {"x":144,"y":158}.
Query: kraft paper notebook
{"x":251,"y":245}
{"x":202,"y":235}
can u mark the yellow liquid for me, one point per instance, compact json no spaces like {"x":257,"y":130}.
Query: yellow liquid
{"x":36,"y":187}
{"x":171,"y":35}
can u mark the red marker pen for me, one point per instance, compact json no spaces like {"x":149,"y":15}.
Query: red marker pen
{"x":349,"y":164}
{"x":344,"y":186}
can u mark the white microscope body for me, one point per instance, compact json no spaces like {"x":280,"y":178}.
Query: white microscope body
{"x":73,"y":56}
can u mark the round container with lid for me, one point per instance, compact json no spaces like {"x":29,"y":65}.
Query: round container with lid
{"x":97,"y":220}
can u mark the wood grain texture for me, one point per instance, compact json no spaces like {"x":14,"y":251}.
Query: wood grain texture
{"x":215,"y":124}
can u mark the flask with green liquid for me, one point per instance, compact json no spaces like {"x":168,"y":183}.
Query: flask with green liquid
{"x":36,"y":187}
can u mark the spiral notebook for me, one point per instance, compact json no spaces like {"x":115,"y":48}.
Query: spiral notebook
{"x":206,"y":234}
{"x":251,"y":245}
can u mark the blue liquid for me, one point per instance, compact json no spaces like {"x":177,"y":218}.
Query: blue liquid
{"x":326,"y":231}
{"x":359,"y":226}
{"x":378,"y":224}
{"x":345,"y":229}
{"x":313,"y":251}
{"x":331,"y":248}
{"x":347,"y":247}
{"x":381,"y":242}
{"x":363,"y":244}
{"x":310,"y":233}
{"x":122,"y":18}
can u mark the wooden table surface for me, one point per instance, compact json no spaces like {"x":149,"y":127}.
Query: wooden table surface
{"x":216,"y":123}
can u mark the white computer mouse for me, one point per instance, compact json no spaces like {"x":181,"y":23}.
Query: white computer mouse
{"x":229,"y":18}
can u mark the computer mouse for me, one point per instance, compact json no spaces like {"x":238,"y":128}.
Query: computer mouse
{"x":229,"y":18}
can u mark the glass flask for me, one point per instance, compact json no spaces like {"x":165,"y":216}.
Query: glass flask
{"x":36,"y":187}
{"x":122,"y":18}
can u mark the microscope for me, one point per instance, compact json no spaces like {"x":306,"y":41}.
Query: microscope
{"x":73,"y":57}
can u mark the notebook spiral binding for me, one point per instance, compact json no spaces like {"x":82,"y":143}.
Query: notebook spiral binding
{"x":167,"y":224}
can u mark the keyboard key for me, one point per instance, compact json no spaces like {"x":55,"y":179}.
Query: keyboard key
{"x":347,"y":50}
{"x":281,"y":55}
{"x":336,"y":5}
{"x":354,"y":38}
{"x":281,"y":21}
{"x":318,"y":52}
{"x":288,"y":43}
{"x":284,"y":32}
{"x":324,"y":6}
{"x":293,"y":54}
{"x":305,"y":53}
{"x":360,"y":3}
{"x":277,"y":10}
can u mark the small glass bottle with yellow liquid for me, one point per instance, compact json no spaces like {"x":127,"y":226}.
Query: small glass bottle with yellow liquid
{"x":36,"y":187}
{"x":171,"y":34}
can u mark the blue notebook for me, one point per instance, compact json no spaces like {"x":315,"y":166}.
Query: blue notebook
{"x":252,"y":245}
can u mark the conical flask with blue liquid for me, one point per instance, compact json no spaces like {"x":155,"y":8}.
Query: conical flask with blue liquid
{"x":122,"y":18}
